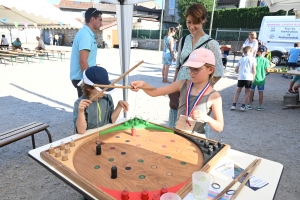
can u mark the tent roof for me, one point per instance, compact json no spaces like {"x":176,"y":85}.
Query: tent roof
{"x":38,"y":13}
{"x":275,"y":5}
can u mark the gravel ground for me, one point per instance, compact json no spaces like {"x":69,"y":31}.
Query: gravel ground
{"x":43,"y":92}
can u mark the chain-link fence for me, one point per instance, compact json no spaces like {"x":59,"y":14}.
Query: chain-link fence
{"x":148,"y":34}
{"x":237,"y":34}
{"x":154,"y":34}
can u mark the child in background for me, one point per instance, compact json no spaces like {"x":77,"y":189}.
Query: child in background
{"x":293,"y":56}
{"x":295,"y":79}
{"x":89,"y":113}
{"x":246,"y":69}
{"x":262,"y":68}
{"x":202,"y":98}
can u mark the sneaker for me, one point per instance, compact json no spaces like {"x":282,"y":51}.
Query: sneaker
{"x":260,"y":108}
{"x":232,"y":108}
{"x":243,"y":108}
{"x":249,"y":107}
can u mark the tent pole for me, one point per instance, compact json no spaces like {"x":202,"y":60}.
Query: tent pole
{"x":212,"y":17}
{"x":161,"y":23}
{"x":10,"y":34}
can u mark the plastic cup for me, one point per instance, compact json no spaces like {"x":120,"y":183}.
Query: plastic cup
{"x":170,"y":196}
{"x":201,"y":181}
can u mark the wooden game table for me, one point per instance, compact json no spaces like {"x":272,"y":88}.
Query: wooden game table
{"x":290,"y":72}
{"x":267,"y":170}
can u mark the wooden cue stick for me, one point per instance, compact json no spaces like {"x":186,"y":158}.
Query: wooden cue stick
{"x":121,"y":86}
{"x":245,"y":180}
{"x":122,"y":76}
{"x":235,"y":180}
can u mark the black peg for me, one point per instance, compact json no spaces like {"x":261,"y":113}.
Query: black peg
{"x":98,"y":149}
{"x":206,"y":144}
{"x":219,"y":144}
{"x":215,"y":147}
{"x":114,"y":172}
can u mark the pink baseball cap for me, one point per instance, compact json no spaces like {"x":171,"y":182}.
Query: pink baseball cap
{"x":199,"y":57}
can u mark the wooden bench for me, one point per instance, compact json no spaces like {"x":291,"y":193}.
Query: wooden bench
{"x":11,"y":56}
{"x":24,"y":131}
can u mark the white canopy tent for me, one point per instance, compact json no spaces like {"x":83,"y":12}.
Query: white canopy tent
{"x":33,"y":14}
{"x":124,"y":22}
{"x":275,"y":5}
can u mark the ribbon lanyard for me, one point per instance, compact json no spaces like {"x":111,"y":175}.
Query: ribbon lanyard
{"x":199,"y":97}
{"x":99,"y":111}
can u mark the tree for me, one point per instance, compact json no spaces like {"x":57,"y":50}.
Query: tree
{"x":183,"y":4}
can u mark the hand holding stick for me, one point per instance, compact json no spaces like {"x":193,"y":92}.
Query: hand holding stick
{"x":122,"y":76}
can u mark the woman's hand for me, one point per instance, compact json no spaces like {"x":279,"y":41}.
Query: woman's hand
{"x":124,"y":105}
{"x":136,"y":85}
{"x":199,"y":115}
{"x":84,"y":103}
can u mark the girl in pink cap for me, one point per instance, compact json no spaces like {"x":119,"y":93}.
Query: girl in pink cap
{"x":197,"y":98}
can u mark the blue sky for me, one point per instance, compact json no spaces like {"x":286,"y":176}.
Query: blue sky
{"x":57,"y":1}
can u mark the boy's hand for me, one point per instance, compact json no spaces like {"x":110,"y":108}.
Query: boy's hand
{"x":124,"y":105}
{"x":236,"y":70}
{"x":199,"y":115}
{"x":83,"y":104}
{"x":136,"y":85}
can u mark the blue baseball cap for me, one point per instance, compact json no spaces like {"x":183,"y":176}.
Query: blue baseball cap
{"x":96,"y":75}
{"x":262,"y":49}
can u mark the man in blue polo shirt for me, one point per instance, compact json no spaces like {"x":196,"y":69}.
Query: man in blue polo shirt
{"x":84,"y":49}
{"x":17,"y":44}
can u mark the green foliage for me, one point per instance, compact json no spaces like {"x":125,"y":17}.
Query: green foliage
{"x":248,"y":18}
{"x":183,"y":4}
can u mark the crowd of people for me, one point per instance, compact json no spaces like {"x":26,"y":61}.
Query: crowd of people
{"x":17,"y":44}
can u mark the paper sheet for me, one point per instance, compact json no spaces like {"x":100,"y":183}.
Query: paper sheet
{"x":232,"y":170}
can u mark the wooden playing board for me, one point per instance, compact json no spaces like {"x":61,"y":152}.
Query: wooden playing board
{"x":156,"y":156}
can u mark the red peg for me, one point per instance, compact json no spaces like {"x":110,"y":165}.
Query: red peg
{"x":132,"y":131}
{"x":125,"y":195}
{"x":163,"y":191}
{"x":155,"y":197}
{"x":145,"y":194}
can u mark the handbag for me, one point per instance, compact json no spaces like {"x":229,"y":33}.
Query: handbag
{"x":174,"y":97}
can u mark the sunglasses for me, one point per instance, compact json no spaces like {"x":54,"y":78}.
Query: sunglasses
{"x":191,"y":70}
{"x":94,"y":11}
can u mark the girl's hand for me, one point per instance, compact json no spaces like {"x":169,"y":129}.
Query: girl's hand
{"x":124,"y":105}
{"x":199,"y":115}
{"x":83,"y":104}
{"x":136,"y":85}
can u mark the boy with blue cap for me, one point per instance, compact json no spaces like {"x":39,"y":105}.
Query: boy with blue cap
{"x":95,"y":108}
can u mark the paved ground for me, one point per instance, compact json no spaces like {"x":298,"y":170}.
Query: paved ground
{"x":43,"y":92}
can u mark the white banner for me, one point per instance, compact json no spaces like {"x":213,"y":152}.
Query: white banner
{"x":283,"y":31}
